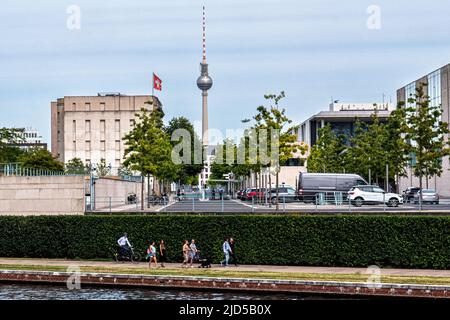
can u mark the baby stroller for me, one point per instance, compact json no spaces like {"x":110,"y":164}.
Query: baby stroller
{"x":205,"y":261}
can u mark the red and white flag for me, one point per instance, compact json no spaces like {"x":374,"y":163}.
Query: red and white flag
{"x":157,"y":82}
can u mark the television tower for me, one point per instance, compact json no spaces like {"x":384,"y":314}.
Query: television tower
{"x":204,"y":83}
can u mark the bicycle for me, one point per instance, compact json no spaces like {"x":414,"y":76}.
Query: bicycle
{"x":130,"y":256}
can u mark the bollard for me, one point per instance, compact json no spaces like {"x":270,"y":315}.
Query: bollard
{"x":193,"y":205}
{"x":222,"y":204}
{"x":384,"y":202}
{"x":110,"y":207}
{"x":284,"y":204}
{"x":253,"y":200}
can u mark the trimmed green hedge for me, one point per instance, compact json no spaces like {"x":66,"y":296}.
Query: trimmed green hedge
{"x":388,"y":241}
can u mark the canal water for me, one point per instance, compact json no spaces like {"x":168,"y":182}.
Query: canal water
{"x":54,"y":292}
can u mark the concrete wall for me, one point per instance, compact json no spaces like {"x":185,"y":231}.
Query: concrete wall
{"x":41,"y":195}
{"x":118,"y":190}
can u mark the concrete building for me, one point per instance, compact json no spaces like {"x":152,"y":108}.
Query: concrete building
{"x":342,"y":117}
{"x":437,"y":87}
{"x":92,"y":127}
{"x":30,"y":138}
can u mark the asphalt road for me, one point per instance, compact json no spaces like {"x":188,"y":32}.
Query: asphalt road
{"x":239,"y":206}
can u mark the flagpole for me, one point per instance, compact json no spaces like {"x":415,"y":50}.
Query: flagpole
{"x":153,"y":85}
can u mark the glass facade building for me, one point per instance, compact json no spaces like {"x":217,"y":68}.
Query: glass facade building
{"x":437,"y":86}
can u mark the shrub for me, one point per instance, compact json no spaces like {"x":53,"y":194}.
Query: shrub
{"x":355,"y":241}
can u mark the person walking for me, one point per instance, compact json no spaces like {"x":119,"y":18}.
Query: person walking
{"x":193,"y":252}
{"x":151,"y":253}
{"x":186,"y":250}
{"x":226,"y":252}
{"x":162,"y":253}
{"x":233,"y":252}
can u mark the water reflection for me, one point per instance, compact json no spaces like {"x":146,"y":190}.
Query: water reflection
{"x":51,"y":292}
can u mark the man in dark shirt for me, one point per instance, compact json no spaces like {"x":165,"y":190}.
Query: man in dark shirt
{"x":233,"y":252}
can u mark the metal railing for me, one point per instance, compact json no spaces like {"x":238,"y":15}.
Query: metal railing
{"x":16,"y":169}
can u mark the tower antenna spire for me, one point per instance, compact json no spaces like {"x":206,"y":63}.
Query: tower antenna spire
{"x":204,"y":83}
{"x":204,"y":36}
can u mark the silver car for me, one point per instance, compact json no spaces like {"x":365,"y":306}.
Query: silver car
{"x":428,"y":196}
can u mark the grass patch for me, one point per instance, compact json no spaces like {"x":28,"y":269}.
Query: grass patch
{"x":241,"y":274}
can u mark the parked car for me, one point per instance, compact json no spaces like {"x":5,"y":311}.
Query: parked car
{"x":311,"y":184}
{"x":285,"y":194}
{"x":254,"y":193}
{"x":409,"y":193}
{"x":428,"y":196}
{"x":365,"y":194}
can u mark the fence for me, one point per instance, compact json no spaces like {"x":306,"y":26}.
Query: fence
{"x":16,"y":169}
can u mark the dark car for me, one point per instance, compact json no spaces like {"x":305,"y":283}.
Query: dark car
{"x":285,"y":194}
{"x":240,"y":193}
{"x":312,"y":184}
{"x":409,"y":193}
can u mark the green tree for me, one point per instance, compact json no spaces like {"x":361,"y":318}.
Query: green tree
{"x":9,"y":151}
{"x":273,"y":118}
{"x":148,"y":147}
{"x":426,"y":134}
{"x":368,"y":153}
{"x":39,"y":158}
{"x":102,"y":168}
{"x":125,"y":170}
{"x":395,"y":144}
{"x":187,"y":173}
{"x":75,"y":166}
{"x":327,"y":154}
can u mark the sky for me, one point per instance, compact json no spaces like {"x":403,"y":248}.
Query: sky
{"x":315,"y":51}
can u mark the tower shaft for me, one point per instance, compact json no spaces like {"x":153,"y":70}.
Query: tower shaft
{"x":205,"y":117}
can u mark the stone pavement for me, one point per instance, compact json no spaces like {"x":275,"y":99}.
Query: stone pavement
{"x":262,"y":268}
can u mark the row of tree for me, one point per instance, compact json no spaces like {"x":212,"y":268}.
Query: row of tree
{"x":266,"y":144}
{"x":414,"y":135}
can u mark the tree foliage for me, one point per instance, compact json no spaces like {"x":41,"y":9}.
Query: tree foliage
{"x":426,"y":133}
{"x":9,"y":151}
{"x":327,"y":154}
{"x":38,"y":158}
{"x":186,"y":173}
{"x":75,"y":166}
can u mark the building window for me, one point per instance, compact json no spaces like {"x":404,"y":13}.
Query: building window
{"x":434,"y":88}
{"x":88,"y":126}
{"x":102,"y":106}
{"x":87,"y":106}
{"x":132,"y":122}
{"x":102,"y":126}
{"x":118,"y":145}
{"x":88,"y":146}
{"x":74,"y":106}
{"x":103,"y":145}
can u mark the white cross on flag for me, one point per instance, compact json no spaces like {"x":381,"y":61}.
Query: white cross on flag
{"x":157,"y":82}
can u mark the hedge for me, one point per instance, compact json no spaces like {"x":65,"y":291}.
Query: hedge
{"x":354,"y":241}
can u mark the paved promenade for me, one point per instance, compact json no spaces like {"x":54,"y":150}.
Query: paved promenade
{"x":263,"y":268}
